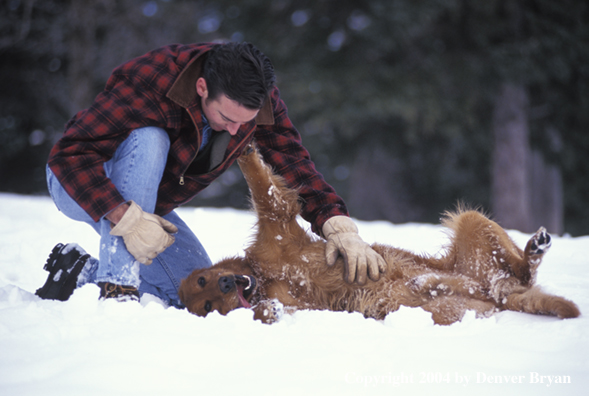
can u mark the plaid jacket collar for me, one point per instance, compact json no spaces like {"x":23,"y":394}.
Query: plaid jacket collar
{"x":183,"y":91}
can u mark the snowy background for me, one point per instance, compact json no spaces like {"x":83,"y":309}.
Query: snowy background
{"x":90,"y":347}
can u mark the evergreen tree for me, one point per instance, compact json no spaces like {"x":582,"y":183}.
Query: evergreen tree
{"x":394,"y":98}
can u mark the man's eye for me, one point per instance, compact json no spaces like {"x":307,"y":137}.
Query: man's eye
{"x":202,"y":281}
{"x":208,"y":306}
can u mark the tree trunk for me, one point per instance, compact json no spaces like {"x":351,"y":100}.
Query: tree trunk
{"x":510,"y":186}
{"x":378,"y":190}
{"x":83,"y":50}
{"x":547,"y":195}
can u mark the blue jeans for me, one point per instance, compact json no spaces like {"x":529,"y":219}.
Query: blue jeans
{"x":136,"y":170}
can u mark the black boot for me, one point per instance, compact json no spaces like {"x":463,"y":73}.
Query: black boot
{"x":118,"y":292}
{"x":64,"y":265}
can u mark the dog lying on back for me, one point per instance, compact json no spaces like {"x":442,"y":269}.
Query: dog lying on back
{"x":284,"y":269}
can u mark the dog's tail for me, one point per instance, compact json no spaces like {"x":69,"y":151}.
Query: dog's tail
{"x":535,"y":301}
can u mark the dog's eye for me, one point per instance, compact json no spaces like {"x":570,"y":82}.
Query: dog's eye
{"x":208,"y":306}
{"x":202,"y":281}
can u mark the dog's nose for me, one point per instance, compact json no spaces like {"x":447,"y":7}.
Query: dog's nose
{"x":226,"y":283}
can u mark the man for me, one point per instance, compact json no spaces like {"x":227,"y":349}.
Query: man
{"x":165,"y":126}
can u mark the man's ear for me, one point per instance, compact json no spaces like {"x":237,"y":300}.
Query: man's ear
{"x":201,"y":88}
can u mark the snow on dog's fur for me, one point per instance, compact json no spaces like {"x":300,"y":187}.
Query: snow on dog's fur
{"x":284,"y":268}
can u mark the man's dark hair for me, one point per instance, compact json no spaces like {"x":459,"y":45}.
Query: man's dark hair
{"x":241,"y":72}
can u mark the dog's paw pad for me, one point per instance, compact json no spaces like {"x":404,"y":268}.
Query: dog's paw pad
{"x":269,"y":311}
{"x":248,"y":149}
{"x":274,"y":309}
{"x":540,"y":242}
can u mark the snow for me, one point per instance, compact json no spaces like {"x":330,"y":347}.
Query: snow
{"x":90,"y":347}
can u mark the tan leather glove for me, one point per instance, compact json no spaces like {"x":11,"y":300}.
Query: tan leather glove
{"x":145,"y":235}
{"x":360,"y":259}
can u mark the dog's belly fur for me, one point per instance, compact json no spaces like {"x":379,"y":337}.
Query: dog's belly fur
{"x":411,"y":280}
{"x":481,"y":269}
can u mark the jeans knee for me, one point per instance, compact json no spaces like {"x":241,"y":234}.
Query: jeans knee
{"x":155,"y":141}
{"x":65,"y":203}
{"x":144,"y":147}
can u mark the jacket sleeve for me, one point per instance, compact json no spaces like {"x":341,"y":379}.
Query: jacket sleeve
{"x":92,"y":137}
{"x":281,"y":146}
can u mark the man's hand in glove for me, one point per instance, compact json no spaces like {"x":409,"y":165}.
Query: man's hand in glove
{"x":145,"y":235}
{"x":360,"y":259}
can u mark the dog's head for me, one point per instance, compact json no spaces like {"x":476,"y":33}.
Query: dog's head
{"x":223,"y":287}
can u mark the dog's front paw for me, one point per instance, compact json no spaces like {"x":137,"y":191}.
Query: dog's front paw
{"x":269,"y":311}
{"x":249,"y":149}
{"x":540,"y":242}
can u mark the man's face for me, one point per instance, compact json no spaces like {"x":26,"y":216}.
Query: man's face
{"x":223,"y":113}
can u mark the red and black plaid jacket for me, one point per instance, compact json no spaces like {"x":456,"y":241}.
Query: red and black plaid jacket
{"x":159,"y":89}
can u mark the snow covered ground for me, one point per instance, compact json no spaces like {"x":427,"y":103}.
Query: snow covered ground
{"x":90,"y":347}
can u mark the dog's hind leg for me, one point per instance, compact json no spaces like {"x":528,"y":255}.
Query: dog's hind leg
{"x":481,"y":247}
{"x":525,"y":269}
{"x":434,"y":285}
{"x":535,"y":301}
{"x":450,"y":309}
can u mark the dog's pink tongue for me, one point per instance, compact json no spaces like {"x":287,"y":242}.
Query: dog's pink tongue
{"x":242,"y":299}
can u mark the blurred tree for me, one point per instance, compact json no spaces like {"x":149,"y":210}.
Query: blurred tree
{"x":32,"y":101}
{"x":394,"y":98}
{"x":56,"y":55}
{"x":511,"y":187}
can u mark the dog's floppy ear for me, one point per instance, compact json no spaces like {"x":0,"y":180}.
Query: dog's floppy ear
{"x":181,"y":291}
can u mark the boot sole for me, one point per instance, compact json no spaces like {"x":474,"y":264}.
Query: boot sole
{"x":63,"y":288}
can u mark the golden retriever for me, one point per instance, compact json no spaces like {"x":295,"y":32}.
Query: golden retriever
{"x":284,"y":268}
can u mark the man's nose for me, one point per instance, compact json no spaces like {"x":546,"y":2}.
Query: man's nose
{"x":233,"y":128}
